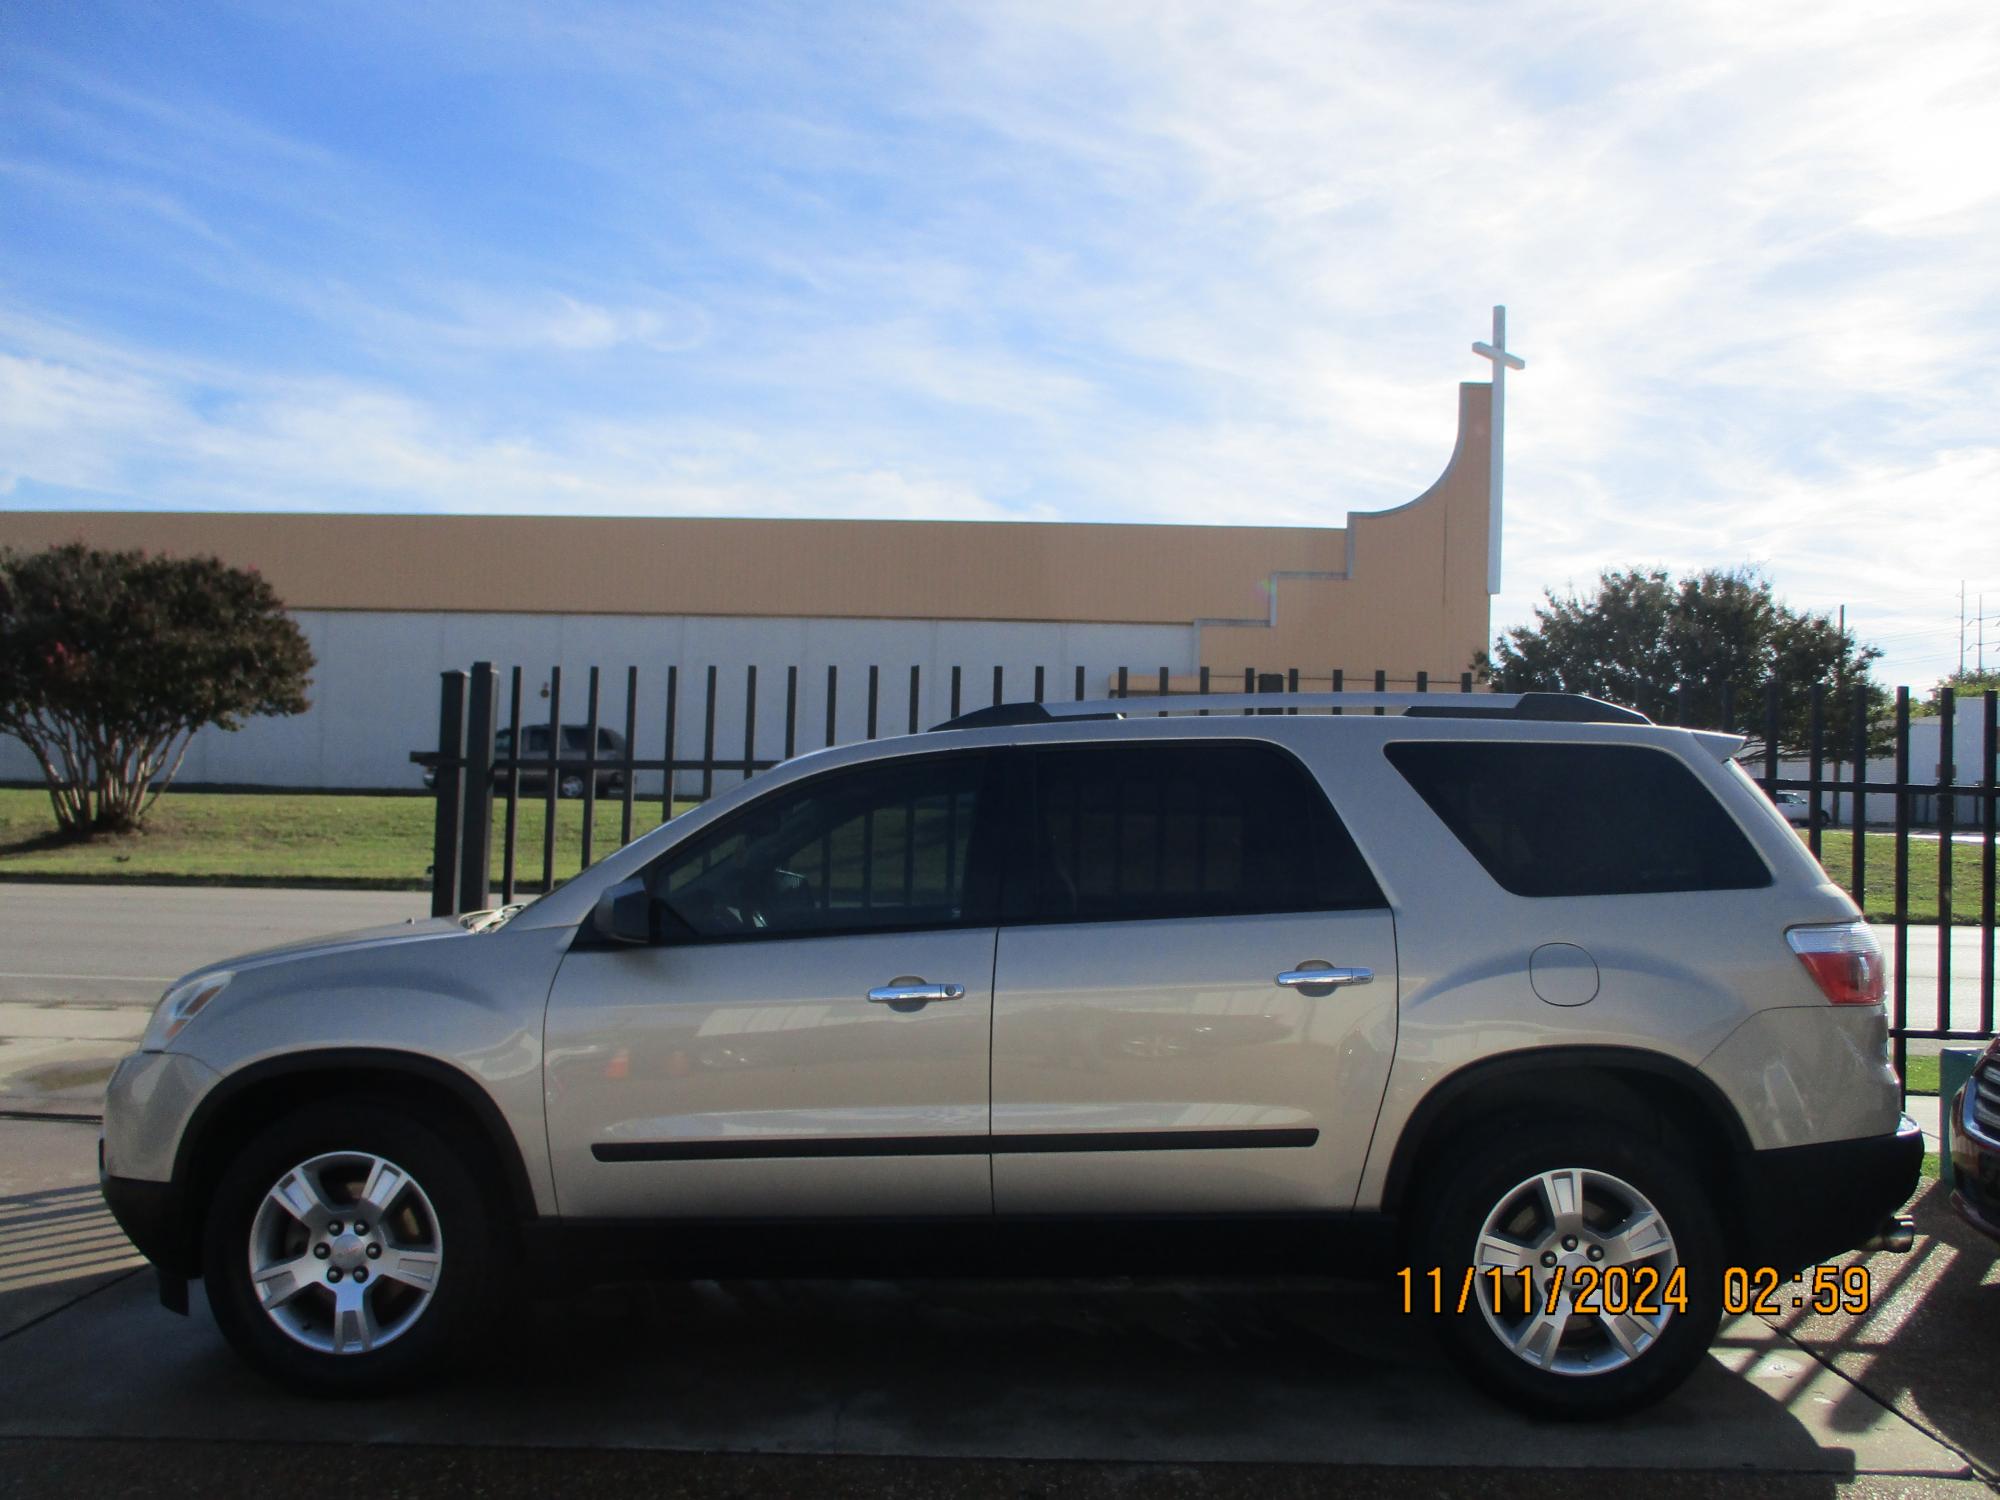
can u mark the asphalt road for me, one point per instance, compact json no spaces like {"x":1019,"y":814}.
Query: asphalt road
{"x":82,"y":965}
{"x":119,"y":944}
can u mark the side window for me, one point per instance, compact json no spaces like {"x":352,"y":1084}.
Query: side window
{"x":1581,"y":820}
{"x":1130,"y":832}
{"x":877,"y":848}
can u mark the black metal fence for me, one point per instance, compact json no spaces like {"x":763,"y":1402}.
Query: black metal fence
{"x":1844,"y":772}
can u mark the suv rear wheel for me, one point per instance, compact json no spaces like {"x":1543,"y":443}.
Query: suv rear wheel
{"x":347,"y":1251}
{"x":1613,"y":1221}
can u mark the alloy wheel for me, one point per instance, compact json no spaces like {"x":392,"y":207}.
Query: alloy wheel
{"x":1579,"y":1233}
{"x":345,"y":1252}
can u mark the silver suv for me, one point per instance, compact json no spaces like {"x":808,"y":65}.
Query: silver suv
{"x":1537,"y":1008}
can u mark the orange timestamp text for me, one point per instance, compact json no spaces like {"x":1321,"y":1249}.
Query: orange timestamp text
{"x":1637,"y":1291}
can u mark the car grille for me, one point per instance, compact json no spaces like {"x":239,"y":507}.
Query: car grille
{"x":1986,"y":1100}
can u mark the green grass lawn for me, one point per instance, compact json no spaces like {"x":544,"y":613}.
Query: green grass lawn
{"x":285,"y":838}
{"x":1879,"y":902}
{"x":1920,"y":1074}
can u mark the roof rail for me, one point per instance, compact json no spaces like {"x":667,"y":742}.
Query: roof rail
{"x":1559,"y":708}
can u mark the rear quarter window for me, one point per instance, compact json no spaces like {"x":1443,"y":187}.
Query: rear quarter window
{"x":1581,"y":820}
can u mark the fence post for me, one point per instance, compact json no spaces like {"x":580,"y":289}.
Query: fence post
{"x":444,"y":844}
{"x":513,"y":790}
{"x":1270,"y":682}
{"x":590,"y":776}
{"x":1817,"y":751}
{"x":1858,"y":862}
{"x":475,"y":867}
{"x":550,"y":789}
{"x":1990,"y":702}
{"x":708,"y":741}
{"x":1899,"y":1013}
{"x":629,"y":771}
{"x":1947,"y":792}
{"x":1771,"y":735}
{"x":673,"y":735}
{"x":791,"y":712}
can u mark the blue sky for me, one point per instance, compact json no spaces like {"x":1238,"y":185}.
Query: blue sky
{"x":1101,"y":261}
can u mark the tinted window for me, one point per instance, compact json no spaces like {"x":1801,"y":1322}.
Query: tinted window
{"x":1582,"y":820}
{"x":1125,"y":832}
{"x":878,"y":847}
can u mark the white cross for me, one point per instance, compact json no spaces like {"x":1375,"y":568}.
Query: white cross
{"x":1502,"y":363}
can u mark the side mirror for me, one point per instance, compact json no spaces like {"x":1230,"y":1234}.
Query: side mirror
{"x":624,"y":913}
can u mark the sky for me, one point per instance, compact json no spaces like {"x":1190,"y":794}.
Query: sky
{"x":1101,"y":261}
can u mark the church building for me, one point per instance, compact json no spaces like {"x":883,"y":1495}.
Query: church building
{"x":390,"y":601}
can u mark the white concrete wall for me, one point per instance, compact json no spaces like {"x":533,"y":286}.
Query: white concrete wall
{"x":1926,"y":763}
{"x":375,"y":689}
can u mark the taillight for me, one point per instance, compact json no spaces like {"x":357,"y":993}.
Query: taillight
{"x":1844,"y":961}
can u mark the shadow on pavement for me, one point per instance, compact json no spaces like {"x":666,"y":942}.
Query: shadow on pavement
{"x":1144,"y":1372}
{"x":1926,"y":1347}
{"x":56,"y":1245}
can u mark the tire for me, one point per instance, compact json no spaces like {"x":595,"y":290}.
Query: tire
{"x":1497,"y":1196}
{"x":570,"y":787}
{"x":415,"y":1286}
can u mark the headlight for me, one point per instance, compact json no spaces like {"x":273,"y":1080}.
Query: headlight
{"x":180,"y":1005}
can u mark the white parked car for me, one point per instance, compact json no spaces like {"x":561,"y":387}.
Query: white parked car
{"x":1533,"y":1005}
{"x":1798,"y":810}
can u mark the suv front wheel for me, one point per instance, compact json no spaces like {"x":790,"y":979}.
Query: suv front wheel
{"x":347,"y":1251}
{"x":1611,"y":1222}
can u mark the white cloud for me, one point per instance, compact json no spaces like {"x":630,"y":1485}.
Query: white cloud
{"x":1138,"y":261}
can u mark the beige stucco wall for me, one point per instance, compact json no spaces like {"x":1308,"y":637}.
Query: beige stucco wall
{"x":1409,"y":595}
{"x":1415,"y":595}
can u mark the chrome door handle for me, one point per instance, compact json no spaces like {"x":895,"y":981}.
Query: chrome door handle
{"x":915,"y":992}
{"x":1298,"y":979}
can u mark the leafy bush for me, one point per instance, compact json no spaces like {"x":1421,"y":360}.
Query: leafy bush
{"x":110,"y":661}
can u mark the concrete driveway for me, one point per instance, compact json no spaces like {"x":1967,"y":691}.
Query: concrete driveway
{"x":1127,"y":1373}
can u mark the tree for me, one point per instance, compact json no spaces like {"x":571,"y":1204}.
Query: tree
{"x":1680,"y":651}
{"x":1965,"y":683}
{"x":110,"y":661}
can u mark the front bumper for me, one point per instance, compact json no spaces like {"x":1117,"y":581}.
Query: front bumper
{"x":1975,"y":1163}
{"x":146,"y":1211}
{"x":1806,"y":1204}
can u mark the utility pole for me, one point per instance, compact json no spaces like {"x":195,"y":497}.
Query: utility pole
{"x":1961,"y":627}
